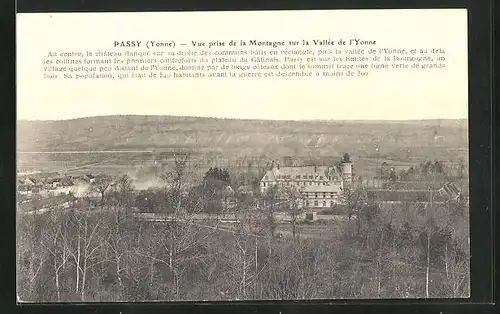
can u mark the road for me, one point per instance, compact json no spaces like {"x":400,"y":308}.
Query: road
{"x":88,"y":165}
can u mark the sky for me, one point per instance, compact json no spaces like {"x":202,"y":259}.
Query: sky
{"x":383,"y":95}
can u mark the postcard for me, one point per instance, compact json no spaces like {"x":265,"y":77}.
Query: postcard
{"x":242,"y":155}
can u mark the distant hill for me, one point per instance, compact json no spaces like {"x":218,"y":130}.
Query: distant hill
{"x":240,"y":137}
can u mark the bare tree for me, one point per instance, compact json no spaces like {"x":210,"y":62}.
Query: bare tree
{"x":271,"y":199}
{"x":181,"y":238}
{"x":124,"y":189}
{"x":295,"y":201}
{"x":244,"y":252}
{"x":356,"y":200}
{"x":117,"y":240}
{"x":57,"y":245}
{"x":89,"y":237}
{"x":101,"y":186}
{"x":31,"y":256}
{"x":177,"y":177}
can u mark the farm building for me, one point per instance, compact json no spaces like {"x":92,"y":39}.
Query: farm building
{"x":444,"y":193}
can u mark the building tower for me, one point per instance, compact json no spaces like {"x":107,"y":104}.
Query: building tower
{"x":347,"y":174}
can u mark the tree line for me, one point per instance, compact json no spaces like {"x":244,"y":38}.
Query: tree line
{"x":105,"y":254}
{"x":424,"y":171}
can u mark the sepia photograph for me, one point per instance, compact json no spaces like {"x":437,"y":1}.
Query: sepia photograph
{"x":234,"y":160}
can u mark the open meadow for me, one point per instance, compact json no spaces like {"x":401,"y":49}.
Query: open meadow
{"x":124,"y":144}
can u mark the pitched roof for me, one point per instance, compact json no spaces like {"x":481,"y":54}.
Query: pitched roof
{"x":293,"y":172}
{"x":334,"y":172}
{"x":405,"y":195}
{"x":450,"y":190}
{"x":304,"y":170}
{"x":269,"y":176}
{"x":412,"y":185}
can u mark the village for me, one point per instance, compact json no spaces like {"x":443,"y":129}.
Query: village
{"x":317,"y":193}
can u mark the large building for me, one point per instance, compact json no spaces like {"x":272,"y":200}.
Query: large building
{"x":317,"y":186}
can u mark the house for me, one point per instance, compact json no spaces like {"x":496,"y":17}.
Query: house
{"x":411,"y":185}
{"x":450,"y":191}
{"x":403,"y":196}
{"x":90,"y":178}
{"x":30,"y":181}
{"x":415,"y":191}
{"x":28,"y":189}
{"x":54,"y":191}
{"x":300,"y":177}
{"x":318,"y":186}
{"x":24,"y":190}
{"x":56,"y":183}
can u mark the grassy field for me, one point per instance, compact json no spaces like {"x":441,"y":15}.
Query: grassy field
{"x":143,"y":140}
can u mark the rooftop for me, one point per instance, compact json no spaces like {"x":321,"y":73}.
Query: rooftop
{"x":406,"y":195}
{"x":300,"y":172}
{"x":304,"y":170}
{"x":450,"y":190}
